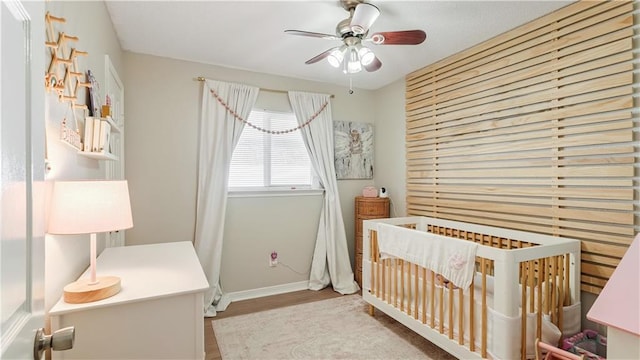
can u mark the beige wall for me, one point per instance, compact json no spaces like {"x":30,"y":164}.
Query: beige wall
{"x":66,"y":257}
{"x":162,"y":113}
{"x":390,"y":165}
{"x":253,"y":232}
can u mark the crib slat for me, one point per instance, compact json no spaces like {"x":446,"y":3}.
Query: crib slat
{"x":461,"y":316}
{"x":567,"y":267}
{"x":523,"y":311}
{"x":561,"y":295}
{"x":416,"y":292}
{"x":483,"y":265}
{"x":382,"y":286}
{"x":385,"y":287}
{"x":374,"y":277}
{"x":534,"y":273}
{"x":472,"y":318}
{"x":379,"y":278}
{"x":432,"y":297}
{"x":450,"y":287}
{"x":390,"y":277}
{"x":531,"y":265}
{"x":408,"y":287}
{"x":395,"y":287}
{"x":402,"y":285}
{"x":546,"y":290}
{"x":424,"y":295}
{"x":385,"y":263}
{"x":539,"y":298}
{"x":554,"y":292}
{"x":372,"y":247}
{"x":441,"y":308}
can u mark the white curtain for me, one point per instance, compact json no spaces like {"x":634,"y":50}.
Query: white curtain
{"x":330,"y":263}
{"x":219,"y":134}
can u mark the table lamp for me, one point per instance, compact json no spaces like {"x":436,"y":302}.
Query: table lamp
{"x":90,"y":207}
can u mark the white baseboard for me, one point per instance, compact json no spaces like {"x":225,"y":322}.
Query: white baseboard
{"x":267,"y":291}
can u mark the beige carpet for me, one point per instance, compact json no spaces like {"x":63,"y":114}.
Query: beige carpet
{"x":338,"y":328}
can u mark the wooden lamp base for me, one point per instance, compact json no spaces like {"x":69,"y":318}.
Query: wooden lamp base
{"x":82,"y":291}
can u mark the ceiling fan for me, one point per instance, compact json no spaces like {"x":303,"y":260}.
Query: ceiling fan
{"x":352,"y":55}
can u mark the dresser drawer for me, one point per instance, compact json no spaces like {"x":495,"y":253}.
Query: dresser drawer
{"x":378,"y":207}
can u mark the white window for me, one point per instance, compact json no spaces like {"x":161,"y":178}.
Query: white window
{"x":272,"y":161}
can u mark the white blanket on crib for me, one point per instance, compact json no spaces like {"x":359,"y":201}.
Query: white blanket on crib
{"x":450,"y":257}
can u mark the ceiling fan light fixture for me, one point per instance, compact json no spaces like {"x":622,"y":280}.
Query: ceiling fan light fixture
{"x":353,"y":64}
{"x":354,"y":67}
{"x":363,"y":17}
{"x":366,"y":55}
{"x":336,"y":57}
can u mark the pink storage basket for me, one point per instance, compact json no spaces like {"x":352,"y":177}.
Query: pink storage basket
{"x":588,"y":343}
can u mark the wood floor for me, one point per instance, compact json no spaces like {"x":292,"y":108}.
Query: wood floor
{"x":255,"y":305}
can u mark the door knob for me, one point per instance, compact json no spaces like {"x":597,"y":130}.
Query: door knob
{"x":60,"y":340}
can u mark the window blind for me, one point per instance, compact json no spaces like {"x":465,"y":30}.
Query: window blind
{"x":290,"y":162}
{"x":247,"y":163}
{"x":534,"y":130}
{"x":261,"y":159}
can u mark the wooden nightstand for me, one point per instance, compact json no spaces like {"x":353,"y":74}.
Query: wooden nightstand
{"x":367,"y":208}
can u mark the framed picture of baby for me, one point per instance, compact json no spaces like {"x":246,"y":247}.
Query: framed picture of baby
{"x":353,"y":150}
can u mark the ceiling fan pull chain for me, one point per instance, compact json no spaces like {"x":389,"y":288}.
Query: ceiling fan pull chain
{"x":350,"y":84}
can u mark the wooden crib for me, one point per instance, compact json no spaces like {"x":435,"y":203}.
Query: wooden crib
{"x":514,"y":271}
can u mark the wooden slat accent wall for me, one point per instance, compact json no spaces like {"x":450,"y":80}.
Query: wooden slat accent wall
{"x":533,"y":130}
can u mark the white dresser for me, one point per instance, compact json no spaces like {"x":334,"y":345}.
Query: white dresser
{"x":158,"y":314}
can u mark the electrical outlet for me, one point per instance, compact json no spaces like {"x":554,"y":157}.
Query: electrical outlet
{"x":273,"y":259}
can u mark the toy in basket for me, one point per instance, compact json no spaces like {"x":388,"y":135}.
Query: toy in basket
{"x":587,"y":343}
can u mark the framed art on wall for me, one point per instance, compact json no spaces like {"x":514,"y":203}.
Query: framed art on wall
{"x":353,"y":153}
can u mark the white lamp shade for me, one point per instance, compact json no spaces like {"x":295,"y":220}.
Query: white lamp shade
{"x":352,"y":65}
{"x":363,"y":17}
{"x":366,"y":55}
{"x":91,"y":206}
{"x":335,"y":58}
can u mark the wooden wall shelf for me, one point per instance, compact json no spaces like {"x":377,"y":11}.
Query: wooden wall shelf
{"x":104,"y":154}
{"x":98,"y":155}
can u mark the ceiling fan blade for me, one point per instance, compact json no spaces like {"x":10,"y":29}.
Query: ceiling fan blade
{"x":312,"y":34}
{"x":320,"y":56}
{"x":374,"y":65}
{"x":363,"y":17}
{"x":406,"y":37}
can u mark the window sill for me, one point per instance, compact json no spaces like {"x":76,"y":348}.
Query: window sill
{"x":273,"y":192}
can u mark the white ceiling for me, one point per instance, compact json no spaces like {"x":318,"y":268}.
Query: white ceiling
{"x":249,"y":35}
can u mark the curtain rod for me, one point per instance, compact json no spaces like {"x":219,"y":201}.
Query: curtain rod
{"x":201,"y":78}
